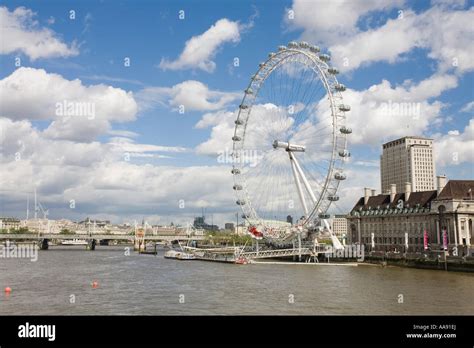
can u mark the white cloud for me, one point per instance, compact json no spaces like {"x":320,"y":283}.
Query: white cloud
{"x":455,"y":147}
{"x":34,"y":94}
{"x":122,"y":133}
{"x":449,"y":36}
{"x":385,"y":43}
{"x":201,"y":49}
{"x":444,"y":31}
{"x":112,"y":79}
{"x":220,"y":140}
{"x":468,"y":107}
{"x":98,"y":178}
{"x":193,"y":95}
{"x":215,"y":118}
{"x":32,"y":145}
{"x":330,"y":22}
{"x":352,"y":188}
{"x":449,"y":3}
{"x":96,"y":175}
{"x":20,"y":137}
{"x":128,"y":145}
{"x":384,"y":111}
{"x":446,"y":34}
{"x":87,"y":22}
{"x":21,"y":33}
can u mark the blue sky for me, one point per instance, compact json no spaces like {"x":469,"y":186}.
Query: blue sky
{"x":104,"y":33}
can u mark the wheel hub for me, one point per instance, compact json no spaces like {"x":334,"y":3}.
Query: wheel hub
{"x":288,"y":147}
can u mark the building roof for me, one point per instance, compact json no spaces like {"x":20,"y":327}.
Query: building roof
{"x":420,"y":199}
{"x":457,"y":189}
{"x":454,"y":189}
{"x":407,"y":137}
{"x":423,"y":198}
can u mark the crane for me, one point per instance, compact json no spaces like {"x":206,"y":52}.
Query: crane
{"x":40,"y":207}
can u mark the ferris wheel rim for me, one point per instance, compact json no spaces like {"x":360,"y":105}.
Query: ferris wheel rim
{"x":320,"y":68}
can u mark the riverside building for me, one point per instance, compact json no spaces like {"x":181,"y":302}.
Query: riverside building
{"x":399,"y":220}
{"x":408,"y":159}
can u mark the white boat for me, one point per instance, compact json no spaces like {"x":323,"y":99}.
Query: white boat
{"x":171,"y":254}
{"x":179,"y":255}
{"x":185,"y":256}
{"x":74,"y":242}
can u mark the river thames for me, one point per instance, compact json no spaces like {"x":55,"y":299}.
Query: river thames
{"x":59,"y":283}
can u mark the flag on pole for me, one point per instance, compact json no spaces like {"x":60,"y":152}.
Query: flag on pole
{"x":445,"y":240}
{"x":425,"y":239}
{"x":372,"y":239}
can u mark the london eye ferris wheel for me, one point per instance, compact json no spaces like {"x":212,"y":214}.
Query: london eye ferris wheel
{"x":289,"y":143}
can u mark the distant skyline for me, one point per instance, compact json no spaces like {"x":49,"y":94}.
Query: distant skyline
{"x":160,"y":87}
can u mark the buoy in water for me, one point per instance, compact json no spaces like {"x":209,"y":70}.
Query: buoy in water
{"x":95,"y":284}
{"x":8,"y":290}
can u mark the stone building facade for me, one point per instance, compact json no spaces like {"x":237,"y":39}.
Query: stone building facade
{"x":339,"y":226}
{"x":383,"y":222}
{"x":9,"y":223}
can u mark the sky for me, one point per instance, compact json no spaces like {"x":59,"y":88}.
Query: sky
{"x":162,"y":84}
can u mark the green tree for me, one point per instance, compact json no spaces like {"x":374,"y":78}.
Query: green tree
{"x":66,"y":231}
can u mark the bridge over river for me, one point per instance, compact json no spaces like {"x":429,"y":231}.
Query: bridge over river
{"x":139,"y":240}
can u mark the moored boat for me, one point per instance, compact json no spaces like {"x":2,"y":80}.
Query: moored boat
{"x":178,"y":255}
{"x":74,"y":242}
{"x":171,"y":254}
{"x":185,"y":256}
{"x":241,"y":261}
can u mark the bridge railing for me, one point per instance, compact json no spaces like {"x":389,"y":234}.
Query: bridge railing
{"x":36,"y":236}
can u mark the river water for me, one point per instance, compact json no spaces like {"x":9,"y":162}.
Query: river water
{"x":59,"y":282}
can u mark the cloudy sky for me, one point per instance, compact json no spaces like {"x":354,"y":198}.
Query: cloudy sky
{"x":162,"y":87}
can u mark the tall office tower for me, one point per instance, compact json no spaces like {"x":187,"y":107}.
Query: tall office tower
{"x":408,"y":159}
